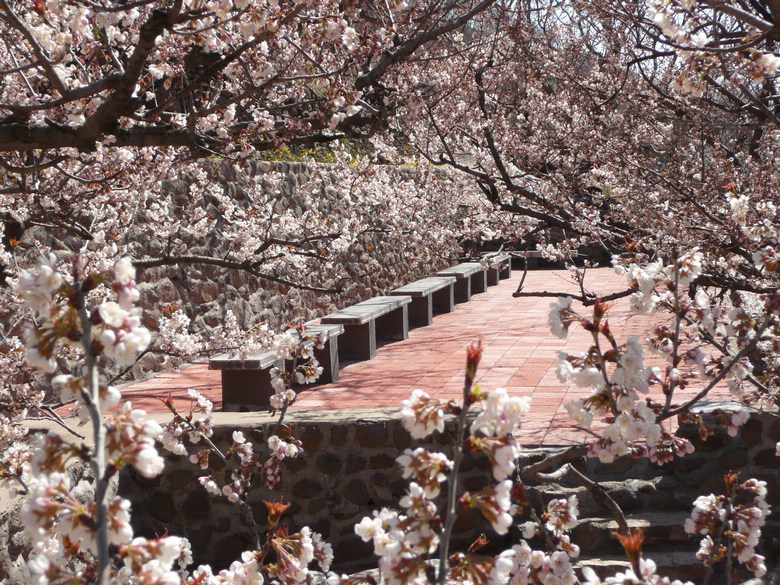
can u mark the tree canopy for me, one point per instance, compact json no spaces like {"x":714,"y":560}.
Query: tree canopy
{"x":646,"y":129}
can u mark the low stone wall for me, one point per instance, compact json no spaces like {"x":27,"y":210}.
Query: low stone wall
{"x":348,"y":470}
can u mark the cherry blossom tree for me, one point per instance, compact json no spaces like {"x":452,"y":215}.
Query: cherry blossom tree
{"x":107,"y":109}
{"x":645,"y":130}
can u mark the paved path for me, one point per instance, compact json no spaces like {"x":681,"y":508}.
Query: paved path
{"x":519,"y":354}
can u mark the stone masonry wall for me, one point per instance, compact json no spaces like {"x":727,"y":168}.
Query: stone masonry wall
{"x":348,"y":470}
{"x":207,"y":292}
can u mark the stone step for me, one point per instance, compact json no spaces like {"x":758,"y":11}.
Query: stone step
{"x":596,"y":533}
{"x":681,"y":565}
{"x":631,"y":495}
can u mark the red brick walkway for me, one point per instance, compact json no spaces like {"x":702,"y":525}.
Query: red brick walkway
{"x":519,"y":355}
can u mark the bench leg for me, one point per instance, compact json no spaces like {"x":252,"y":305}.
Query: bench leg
{"x":421,"y":311}
{"x":244,"y":390}
{"x":493,"y":276}
{"x":479,"y":282}
{"x":444,"y":300}
{"x":393,"y":326}
{"x":358,"y":342}
{"x":463,"y":290}
{"x":328,"y":357}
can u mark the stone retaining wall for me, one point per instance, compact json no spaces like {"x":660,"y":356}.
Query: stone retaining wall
{"x":379,"y":260}
{"x":348,"y":470}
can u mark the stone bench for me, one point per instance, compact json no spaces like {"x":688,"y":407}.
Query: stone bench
{"x":499,"y":267}
{"x":328,"y":355}
{"x":531,"y":257}
{"x":470,"y":278}
{"x":430,"y":296}
{"x":383,"y":318}
{"x":247,"y":383}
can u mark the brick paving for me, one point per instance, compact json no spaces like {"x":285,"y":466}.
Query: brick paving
{"x":519,"y":355}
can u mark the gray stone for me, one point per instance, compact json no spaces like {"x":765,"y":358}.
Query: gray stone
{"x":161,"y":506}
{"x":316,"y":505}
{"x":401,"y":437}
{"x":310,"y":438}
{"x":751,"y":432}
{"x":619,"y":465}
{"x":355,"y":463}
{"x":294,"y":465}
{"x":733,"y":460}
{"x":196,"y":503}
{"x":667,"y":482}
{"x":774,"y":430}
{"x":767,"y":458}
{"x":178,"y":478}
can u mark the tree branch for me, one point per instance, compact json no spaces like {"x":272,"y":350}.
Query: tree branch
{"x":246,"y":266}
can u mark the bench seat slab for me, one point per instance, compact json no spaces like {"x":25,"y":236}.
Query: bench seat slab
{"x":385,"y":318}
{"x":429,"y":296}
{"x":471,"y":278}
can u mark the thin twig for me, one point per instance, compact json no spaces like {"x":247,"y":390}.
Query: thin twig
{"x":58,"y":419}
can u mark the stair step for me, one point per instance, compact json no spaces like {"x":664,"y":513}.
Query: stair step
{"x":597,"y":532}
{"x":681,"y":565}
{"x":633,"y":494}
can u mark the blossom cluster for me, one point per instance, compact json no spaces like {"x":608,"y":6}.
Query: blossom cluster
{"x":403,"y":540}
{"x":741,"y":519}
{"x":81,"y":531}
{"x":297,"y":347}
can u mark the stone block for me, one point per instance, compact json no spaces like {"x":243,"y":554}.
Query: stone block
{"x":619,"y":465}
{"x":311,"y":438}
{"x":355,"y":491}
{"x":475,"y":483}
{"x":382,"y":461}
{"x":316,"y":505}
{"x":733,"y":460}
{"x":307,"y":488}
{"x":355,"y":463}
{"x":686,"y":465}
{"x":178,"y":478}
{"x":295,"y":464}
{"x":161,"y":506}
{"x":339,"y":435}
{"x":774,"y":430}
{"x":752,"y":431}
{"x":329,"y":463}
{"x":229,"y":547}
{"x":401,"y":437}
{"x":196,"y":503}
{"x":379,"y":480}
{"x":767,"y":458}
{"x":371,"y":436}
